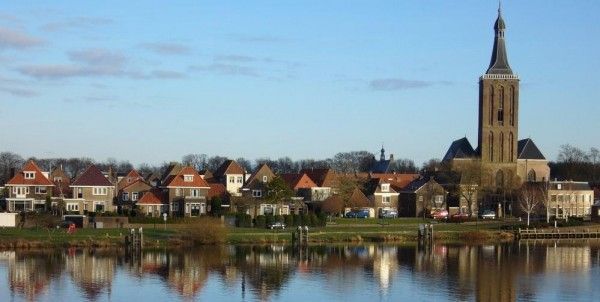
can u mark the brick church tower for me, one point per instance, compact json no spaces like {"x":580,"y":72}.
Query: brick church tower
{"x":499,"y":111}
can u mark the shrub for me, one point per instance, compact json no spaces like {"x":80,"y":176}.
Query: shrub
{"x":205,"y":230}
{"x":260,"y":221}
{"x":288,"y":220}
{"x":243,"y":220}
{"x":322,"y":219}
{"x":269,"y":219}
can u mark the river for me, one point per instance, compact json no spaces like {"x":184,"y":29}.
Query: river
{"x":534,"y":271}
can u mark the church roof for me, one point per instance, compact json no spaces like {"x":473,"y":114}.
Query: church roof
{"x":460,"y":148}
{"x":381,"y":166}
{"x":528,"y":150}
{"x":499,"y":61}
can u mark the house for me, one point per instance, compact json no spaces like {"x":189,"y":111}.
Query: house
{"x":186,"y":193}
{"x":421,"y":197}
{"x":398,"y":181}
{"x":92,"y":192}
{"x":326,"y":181}
{"x":569,"y":199}
{"x":62,"y":183}
{"x":28,"y":189}
{"x":256,"y":189}
{"x":153,"y":203}
{"x":130,"y":194}
{"x":301,"y":184}
{"x":382,"y":196}
{"x":131,"y":177}
{"x":232,"y":175}
{"x":256,"y":185}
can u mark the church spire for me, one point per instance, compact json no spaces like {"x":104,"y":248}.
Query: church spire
{"x":499,"y":61}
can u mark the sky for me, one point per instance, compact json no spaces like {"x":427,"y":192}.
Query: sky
{"x":151,"y":81}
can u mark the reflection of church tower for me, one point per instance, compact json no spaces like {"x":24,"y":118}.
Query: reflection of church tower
{"x":498,"y":110}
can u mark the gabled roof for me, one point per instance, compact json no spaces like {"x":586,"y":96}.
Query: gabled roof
{"x":229,"y":167}
{"x":92,"y":176}
{"x":61,"y":188}
{"x":298,"y":181}
{"x":397,"y":180}
{"x":528,"y":150}
{"x":137,"y":181}
{"x":381,"y":166}
{"x":39,"y":178}
{"x":178,"y":180}
{"x":374,"y":186}
{"x":416,"y":184}
{"x":460,"y":148}
{"x":358,"y":198}
{"x":217,"y":190}
{"x":172,"y":170}
{"x":262,"y":170}
{"x":153,"y":197}
{"x":130,"y":178}
{"x":322,"y":177}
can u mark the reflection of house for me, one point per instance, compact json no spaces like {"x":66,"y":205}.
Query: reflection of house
{"x":186,"y":275}
{"x":569,"y":199}
{"x":385,"y":264}
{"x":28,"y":189}
{"x":29,"y":276}
{"x":421,"y":194}
{"x":93,"y":273}
{"x":92,"y":192}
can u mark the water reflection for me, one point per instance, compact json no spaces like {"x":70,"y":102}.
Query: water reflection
{"x":523,"y":271}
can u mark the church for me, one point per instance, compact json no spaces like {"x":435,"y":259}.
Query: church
{"x":503,"y":159}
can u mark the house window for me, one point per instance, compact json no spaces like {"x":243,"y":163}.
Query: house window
{"x":385,"y":199}
{"x":178,"y":192}
{"x":188,"y":178}
{"x":72,"y":207}
{"x":99,"y":191}
{"x":125,"y":196}
{"x":134,"y":196}
{"x":29,"y":175}
{"x":385,"y":187}
{"x":175,"y":207}
{"x":195,"y":210}
{"x":265,"y":178}
{"x":195,"y":193}
{"x":79,"y":193}
{"x":99,"y":207}
{"x":420,"y":198}
{"x":21,"y":190}
{"x":256,"y":193}
{"x":240,"y":179}
{"x":231,"y":180}
{"x":40,"y":190}
{"x":439,"y":200}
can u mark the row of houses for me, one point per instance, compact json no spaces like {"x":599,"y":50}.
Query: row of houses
{"x":182,"y":191}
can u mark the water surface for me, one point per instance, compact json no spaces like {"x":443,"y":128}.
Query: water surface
{"x":540,"y":271}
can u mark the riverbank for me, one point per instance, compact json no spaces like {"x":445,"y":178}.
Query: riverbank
{"x":178,"y":235}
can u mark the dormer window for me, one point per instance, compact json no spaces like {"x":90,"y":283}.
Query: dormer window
{"x":29,"y":175}
{"x":188,"y":178}
{"x":385,"y":187}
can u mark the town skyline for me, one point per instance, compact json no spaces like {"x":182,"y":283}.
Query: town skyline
{"x":230,"y":83}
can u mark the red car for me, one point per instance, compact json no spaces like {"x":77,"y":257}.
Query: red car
{"x":440,"y":214}
{"x":459,"y":216}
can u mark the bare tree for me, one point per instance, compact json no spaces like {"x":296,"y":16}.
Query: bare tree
{"x":9,"y":161}
{"x":469,"y":186}
{"x":530,"y":199}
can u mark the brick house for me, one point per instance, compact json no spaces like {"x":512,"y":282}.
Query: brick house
{"x":92,"y":192}
{"x":186,"y":193}
{"x":28,"y":189}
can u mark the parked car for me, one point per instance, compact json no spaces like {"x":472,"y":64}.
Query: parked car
{"x":439,"y":215}
{"x":358,"y":214}
{"x":388,"y":214}
{"x":488,"y":215}
{"x":277,"y":225}
{"x":459,"y":217}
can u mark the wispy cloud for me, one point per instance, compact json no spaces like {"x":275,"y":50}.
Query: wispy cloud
{"x":76,"y":23}
{"x":10,"y":38}
{"x":165,"y":48}
{"x":167,"y":74}
{"x":226,"y":69}
{"x":19,"y":92}
{"x":235,"y":58}
{"x":97,"y":56}
{"x":398,"y":84}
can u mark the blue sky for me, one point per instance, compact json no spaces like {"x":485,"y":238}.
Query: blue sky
{"x":305,"y":79}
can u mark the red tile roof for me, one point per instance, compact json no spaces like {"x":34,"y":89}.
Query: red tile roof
{"x":397,"y":181}
{"x":217,"y":190}
{"x":178,"y":179}
{"x":152,"y":197}
{"x":262,"y":170}
{"x":229,"y":167}
{"x":298,"y":181}
{"x":321,"y":177}
{"x":92,"y":176}
{"x":130,"y":178}
{"x":39,"y":178}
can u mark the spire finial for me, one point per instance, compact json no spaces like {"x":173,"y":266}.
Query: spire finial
{"x":499,"y":7}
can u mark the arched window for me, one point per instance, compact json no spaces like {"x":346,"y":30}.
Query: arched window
{"x":501,"y":146}
{"x":531,"y":176}
{"x":512,"y":106}
{"x":491,"y":146}
{"x":511,"y":143}
{"x":501,"y":107}
{"x":499,"y":179}
{"x":491,"y":105}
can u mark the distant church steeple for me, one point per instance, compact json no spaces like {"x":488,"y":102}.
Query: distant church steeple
{"x":382,"y":156}
{"x":499,"y":61}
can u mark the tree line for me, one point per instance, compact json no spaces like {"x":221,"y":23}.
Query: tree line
{"x":344,"y":162}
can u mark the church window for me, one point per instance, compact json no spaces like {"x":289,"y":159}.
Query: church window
{"x":501,"y":107}
{"x":499,"y":179}
{"x":531,"y":175}
{"x":501,"y":146}
{"x":491,"y":146}
{"x":512,"y":106}
{"x":491,"y":105}
{"x":511,"y":143}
